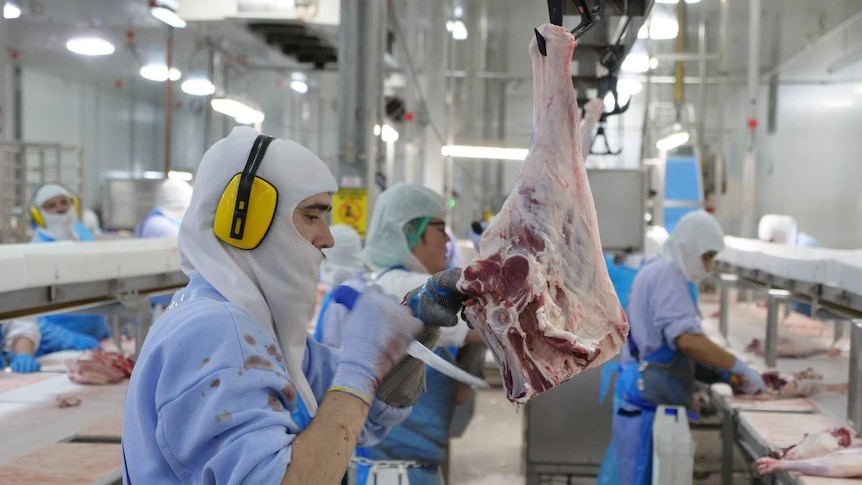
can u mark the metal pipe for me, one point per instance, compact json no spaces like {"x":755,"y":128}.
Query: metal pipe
{"x":722,"y":96}
{"x":749,"y":160}
{"x":854,"y":391}
{"x":679,"y":66}
{"x":845,"y":60}
{"x":701,"y":73}
{"x":725,"y":281}
{"x":774,"y":299}
{"x":169,"y":99}
{"x":348,"y":73}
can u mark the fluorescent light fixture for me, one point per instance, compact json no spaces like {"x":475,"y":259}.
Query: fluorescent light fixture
{"x":198,"y":87}
{"x":376,"y":130}
{"x":11,"y":11}
{"x":242,"y":113}
{"x":458,"y":12}
{"x":838,"y":102}
{"x":153,"y":175}
{"x":300,"y":87}
{"x":660,"y":28}
{"x":492,"y":153}
{"x":389,"y":134}
{"x":159,"y":72}
{"x":178,"y":175}
{"x":676,"y":138}
{"x":90,"y":46}
{"x":457,"y":29}
{"x":168,"y":16}
{"x":636,"y":63}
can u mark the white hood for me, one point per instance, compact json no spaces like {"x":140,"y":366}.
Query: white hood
{"x":61,"y":227}
{"x":275,"y":282}
{"x":777,"y":228}
{"x":173,"y":198}
{"x":695,"y":234}
{"x":344,"y":259}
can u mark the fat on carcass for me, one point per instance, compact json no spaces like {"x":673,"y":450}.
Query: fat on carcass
{"x":845,"y":463}
{"x":540,"y":292}
{"x":819,"y":444}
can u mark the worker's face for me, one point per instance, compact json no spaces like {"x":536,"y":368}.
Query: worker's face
{"x":57,"y":205}
{"x":309,"y":219}
{"x":708,"y":260}
{"x":431,"y":249}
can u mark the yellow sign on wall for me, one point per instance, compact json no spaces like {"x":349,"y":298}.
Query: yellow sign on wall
{"x":350,"y":207}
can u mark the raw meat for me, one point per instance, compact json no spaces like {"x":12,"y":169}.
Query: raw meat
{"x":67,"y":400}
{"x":801,"y":384}
{"x":793,"y":349}
{"x":99,"y":367}
{"x":541,"y":295}
{"x":846,"y":463}
{"x":819,"y":444}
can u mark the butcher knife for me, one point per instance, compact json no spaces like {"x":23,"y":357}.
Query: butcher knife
{"x":441,"y":365}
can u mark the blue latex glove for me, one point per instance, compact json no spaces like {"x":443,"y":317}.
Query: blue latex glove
{"x":751,"y":382}
{"x":376,"y":335}
{"x":56,"y":338}
{"x":25,"y":364}
{"x":2,"y":361}
{"x":437,"y":302}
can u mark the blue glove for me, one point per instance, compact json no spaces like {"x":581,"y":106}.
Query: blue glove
{"x":56,"y":338}
{"x":751,"y":382}
{"x":375,"y":337}
{"x":2,"y":361}
{"x":25,"y":364}
{"x":80,"y":341}
{"x":437,"y":302}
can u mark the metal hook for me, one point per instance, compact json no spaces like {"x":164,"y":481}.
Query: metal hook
{"x":601,"y":133}
{"x":589,"y":18}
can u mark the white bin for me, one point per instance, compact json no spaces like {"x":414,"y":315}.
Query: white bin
{"x":673,"y":448}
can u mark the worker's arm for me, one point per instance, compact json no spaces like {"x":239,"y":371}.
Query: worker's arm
{"x":321,"y":453}
{"x":704,"y":351}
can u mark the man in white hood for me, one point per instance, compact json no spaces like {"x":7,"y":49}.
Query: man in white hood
{"x":55,"y":214}
{"x":172,"y":201}
{"x":218,"y":376}
{"x":666,"y":340}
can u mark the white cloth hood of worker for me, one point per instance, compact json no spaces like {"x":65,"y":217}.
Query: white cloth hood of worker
{"x":344,"y":259}
{"x":386,"y":245}
{"x":695,"y":234}
{"x":777,"y":228}
{"x":59,"y":226}
{"x":173,"y":198}
{"x":276,"y":281}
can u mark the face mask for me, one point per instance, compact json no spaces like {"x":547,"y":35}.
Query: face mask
{"x":60,"y":226}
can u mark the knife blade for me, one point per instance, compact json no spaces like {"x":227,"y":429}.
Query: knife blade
{"x":441,"y":365}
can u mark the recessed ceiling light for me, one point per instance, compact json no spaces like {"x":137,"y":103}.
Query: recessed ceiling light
{"x":90,"y":46}
{"x":159,"y":72}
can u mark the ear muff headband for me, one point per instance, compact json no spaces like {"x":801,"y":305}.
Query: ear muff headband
{"x":247,"y":205}
{"x":39,"y":220}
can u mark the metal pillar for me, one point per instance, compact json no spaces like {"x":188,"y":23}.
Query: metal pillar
{"x":438,"y":40}
{"x":725,"y":281}
{"x":5,"y":111}
{"x":854,"y":391}
{"x":749,"y":160}
{"x":773,"y":300}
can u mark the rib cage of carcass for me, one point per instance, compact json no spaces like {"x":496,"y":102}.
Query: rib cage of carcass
{"x":540,"y":292}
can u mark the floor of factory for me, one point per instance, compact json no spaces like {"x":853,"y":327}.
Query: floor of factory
{"x":490,"y":451}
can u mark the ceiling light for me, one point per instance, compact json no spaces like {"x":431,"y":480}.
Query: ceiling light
{"x":492,"y":153}
{"x":674,"y":139}
{"x":153,"y":175}
{"x":838,"y":102}
{"x":458,"y":12}
{"x":457,"y":28}
{"x":389,"y":134}
{"x":11,"y":11}
{"x":90,"y":46}
{"x":660,"y":29}
{"x":636,"y":63}
{"x":241,"y":112}
{"x":168,"y":16}
{"x":300,"y":87}
{"x":198,"y":87}
{"x":159,"y":72}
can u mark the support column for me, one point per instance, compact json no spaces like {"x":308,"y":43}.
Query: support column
{"x":437,"y":52}
{"x":773,"y":300}
{"x":854,"y":391}
{"x":726,"y":280}
{"x":749,"y":160}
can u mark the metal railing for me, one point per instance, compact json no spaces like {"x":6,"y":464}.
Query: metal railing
{"x":24,"y":167}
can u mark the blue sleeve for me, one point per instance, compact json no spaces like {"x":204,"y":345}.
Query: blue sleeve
{"x":674,"y":312}
{"x":319,"y":368}
{"x":231,"y":426}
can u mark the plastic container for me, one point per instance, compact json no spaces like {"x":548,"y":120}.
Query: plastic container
{"x":673,"y":448}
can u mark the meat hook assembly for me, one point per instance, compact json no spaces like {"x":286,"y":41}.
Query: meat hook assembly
{"x":589,"y":18}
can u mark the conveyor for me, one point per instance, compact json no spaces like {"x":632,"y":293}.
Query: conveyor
{"x":830,"y":279}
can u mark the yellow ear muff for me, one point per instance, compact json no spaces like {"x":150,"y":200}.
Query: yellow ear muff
{"x":247,"y":205}
{"x":36,"y":216}
{"x":76,"y":204}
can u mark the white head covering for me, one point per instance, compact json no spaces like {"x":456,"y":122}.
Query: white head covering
{"x":173,"y":197}
{"x":60,"y":227}
{"x":386,"y":245}
{"x":275,"y":282}
{"x":655,"y":239}
{"x":695,"y":234}
{"x":344,"y":259}
{"x":777,"y":228}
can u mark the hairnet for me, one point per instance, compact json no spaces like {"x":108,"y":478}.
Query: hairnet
{"x":777,"y":228}
{"x":696,"y":233}
{"x":414,"y":229}
{"x":386,"y":244}
{"x":49,"y":191}
{"x":173,"y":197}
{"x":276,"y":282}
{"x":344,"y":259}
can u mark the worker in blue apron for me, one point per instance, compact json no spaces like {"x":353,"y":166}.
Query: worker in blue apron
{"x":783,"y":229}
{"x":172,"y":201}
{"x":665,"y":342}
